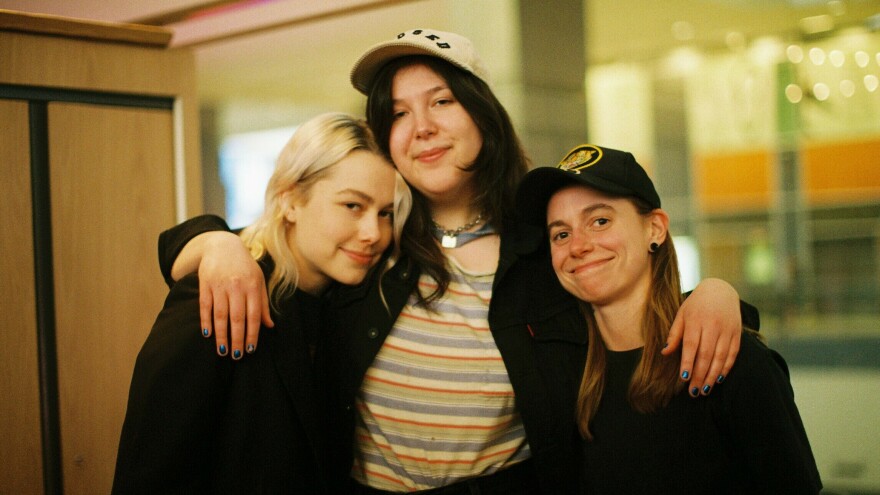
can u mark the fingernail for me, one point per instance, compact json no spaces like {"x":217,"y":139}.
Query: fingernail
{"x":236,"y":354}
{"x":666,"y":345}
{"x":695,"y":391}
{"x":720,"y":379}
{"x":250,"y":348}
{"x":685,"y":375}
{"x":706,"y":389}
{"x":222,"y":349}
{"x":205,"y":332}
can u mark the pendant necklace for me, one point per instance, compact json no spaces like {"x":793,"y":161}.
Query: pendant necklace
{"x":453,"y":238}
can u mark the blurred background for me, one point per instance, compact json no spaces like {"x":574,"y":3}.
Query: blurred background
{"x":758,"y":119}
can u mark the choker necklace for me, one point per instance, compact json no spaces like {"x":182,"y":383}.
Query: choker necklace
{"x":453,"y":238}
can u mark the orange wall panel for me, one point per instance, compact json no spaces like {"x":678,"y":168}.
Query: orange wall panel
{"x":733,"y":182}
{"x":841,"y":171}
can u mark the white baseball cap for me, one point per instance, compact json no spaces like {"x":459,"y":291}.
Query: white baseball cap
{"x":451,"y":47}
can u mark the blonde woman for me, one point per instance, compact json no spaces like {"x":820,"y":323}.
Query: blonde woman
{"x":610,"y":247}
{"x":198,"y":424}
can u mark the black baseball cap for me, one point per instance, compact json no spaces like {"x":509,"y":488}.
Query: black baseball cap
{"x":604,"y":169}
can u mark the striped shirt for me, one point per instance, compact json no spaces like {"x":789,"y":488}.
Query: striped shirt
{"x":436,"y":406}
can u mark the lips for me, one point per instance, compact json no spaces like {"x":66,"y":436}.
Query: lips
{"x":360,"y":257}
{"x":584,"y":267}
{"x":431,"y":154}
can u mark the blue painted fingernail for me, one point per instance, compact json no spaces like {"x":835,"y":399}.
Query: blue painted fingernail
{"x":222,"y":349}
{"x":685,"y":375}
{"x":250,"y":348}
{"x":695,"y":391}
{"x":720,"y":379}
{"x":236,"y":354}
{"x":706,"y":389}
{"x":205,"y":332}
{"x":666,"y":345}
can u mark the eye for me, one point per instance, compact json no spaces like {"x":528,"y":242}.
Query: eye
{"x":353,"y":206}
{"x":601,"y":222}
{"x":388,"y":214}
{"x":397,"y":114}
{"x":559,"y":236}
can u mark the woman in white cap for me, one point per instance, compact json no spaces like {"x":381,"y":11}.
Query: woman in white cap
{"x":459,"y":371}
{"x":610,"y":247}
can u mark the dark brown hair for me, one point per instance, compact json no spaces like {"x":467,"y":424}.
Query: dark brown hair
{"x":498,"y":168}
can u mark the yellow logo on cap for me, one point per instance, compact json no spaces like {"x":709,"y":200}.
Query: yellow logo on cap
{"x":580,"y":158}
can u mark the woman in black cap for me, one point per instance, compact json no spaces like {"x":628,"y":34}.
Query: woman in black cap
{"x":610,"y":247}
{"x":459,"y":371}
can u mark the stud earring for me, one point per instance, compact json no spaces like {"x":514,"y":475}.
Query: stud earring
{"x":653,"y":247}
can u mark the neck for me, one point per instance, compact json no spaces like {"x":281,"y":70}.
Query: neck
{"x":450,"y":217}
{"x":620,"y":322}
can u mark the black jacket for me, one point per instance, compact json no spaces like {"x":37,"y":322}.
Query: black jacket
{"x":196,"y":423}
{"x":537,"y":326}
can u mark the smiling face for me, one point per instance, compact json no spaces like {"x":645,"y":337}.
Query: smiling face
{"x":599,"y":245}
{"x":341,"y":226}
{"x":432,"y":136}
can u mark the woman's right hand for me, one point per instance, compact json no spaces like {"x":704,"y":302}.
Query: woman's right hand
{"x":233,"y":300}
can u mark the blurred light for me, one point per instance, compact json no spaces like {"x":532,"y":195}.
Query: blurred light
{"x":683,"y":30}
{"x":817,"y":56}
{"x":862,"y":58}
{"x":837,"y":58}
{"x":821,"y":91}
{"x":794,"y":93}
{"x":871,"y":82}
{"x":735,"y":40}
{"x":684,"y":60}
{"x":816,"y":24}
{"x":688,"y":261}
{"x":847,"y":88}
{"x":766,"y":50}
{"x":878,"y":58}
{"x":795,"y":54}
{"x":836,"y":7}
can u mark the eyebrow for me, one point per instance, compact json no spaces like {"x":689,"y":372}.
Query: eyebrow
{"x":585,"y":211}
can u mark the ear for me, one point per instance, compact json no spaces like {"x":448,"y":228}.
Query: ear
{"x":289,"y":206}
{"x":658,"y":226}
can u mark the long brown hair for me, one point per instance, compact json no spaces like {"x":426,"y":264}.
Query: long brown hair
{"x":497,"y":170}
{"x":655,"y":379}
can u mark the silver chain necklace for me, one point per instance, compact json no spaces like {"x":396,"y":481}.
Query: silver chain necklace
{"x":449,"y":237}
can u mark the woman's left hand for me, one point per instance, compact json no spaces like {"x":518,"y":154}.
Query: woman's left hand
{"x":709,"y":324}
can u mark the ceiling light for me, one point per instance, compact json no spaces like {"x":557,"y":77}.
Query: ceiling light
{"x":816,"y":24}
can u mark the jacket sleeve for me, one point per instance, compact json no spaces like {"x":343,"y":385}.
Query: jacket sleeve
{"x":758,"y":411}
{"x":177,"y":395}
{"x":172,"y":241}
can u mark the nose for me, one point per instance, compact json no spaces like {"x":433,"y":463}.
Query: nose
{"x":581,"y":243}
{"x":425,"y":125}
{"x":369,"y":230}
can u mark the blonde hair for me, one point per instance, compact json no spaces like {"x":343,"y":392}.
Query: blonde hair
{"x":655,"y":379}
{"x":308,"y":157}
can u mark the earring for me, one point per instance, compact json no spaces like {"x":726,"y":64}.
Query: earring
{"x":653,"y":247}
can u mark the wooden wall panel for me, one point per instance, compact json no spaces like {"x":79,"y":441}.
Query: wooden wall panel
{"x":112,"y":184}
{"x":21,"y":469}
{"x":66,"y":63}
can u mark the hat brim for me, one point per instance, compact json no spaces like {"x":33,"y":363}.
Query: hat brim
{"x":371,"y":62}
{"x":542,"y":183}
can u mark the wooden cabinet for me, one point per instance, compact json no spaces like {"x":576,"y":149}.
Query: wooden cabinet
{"x":98,"y":154}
